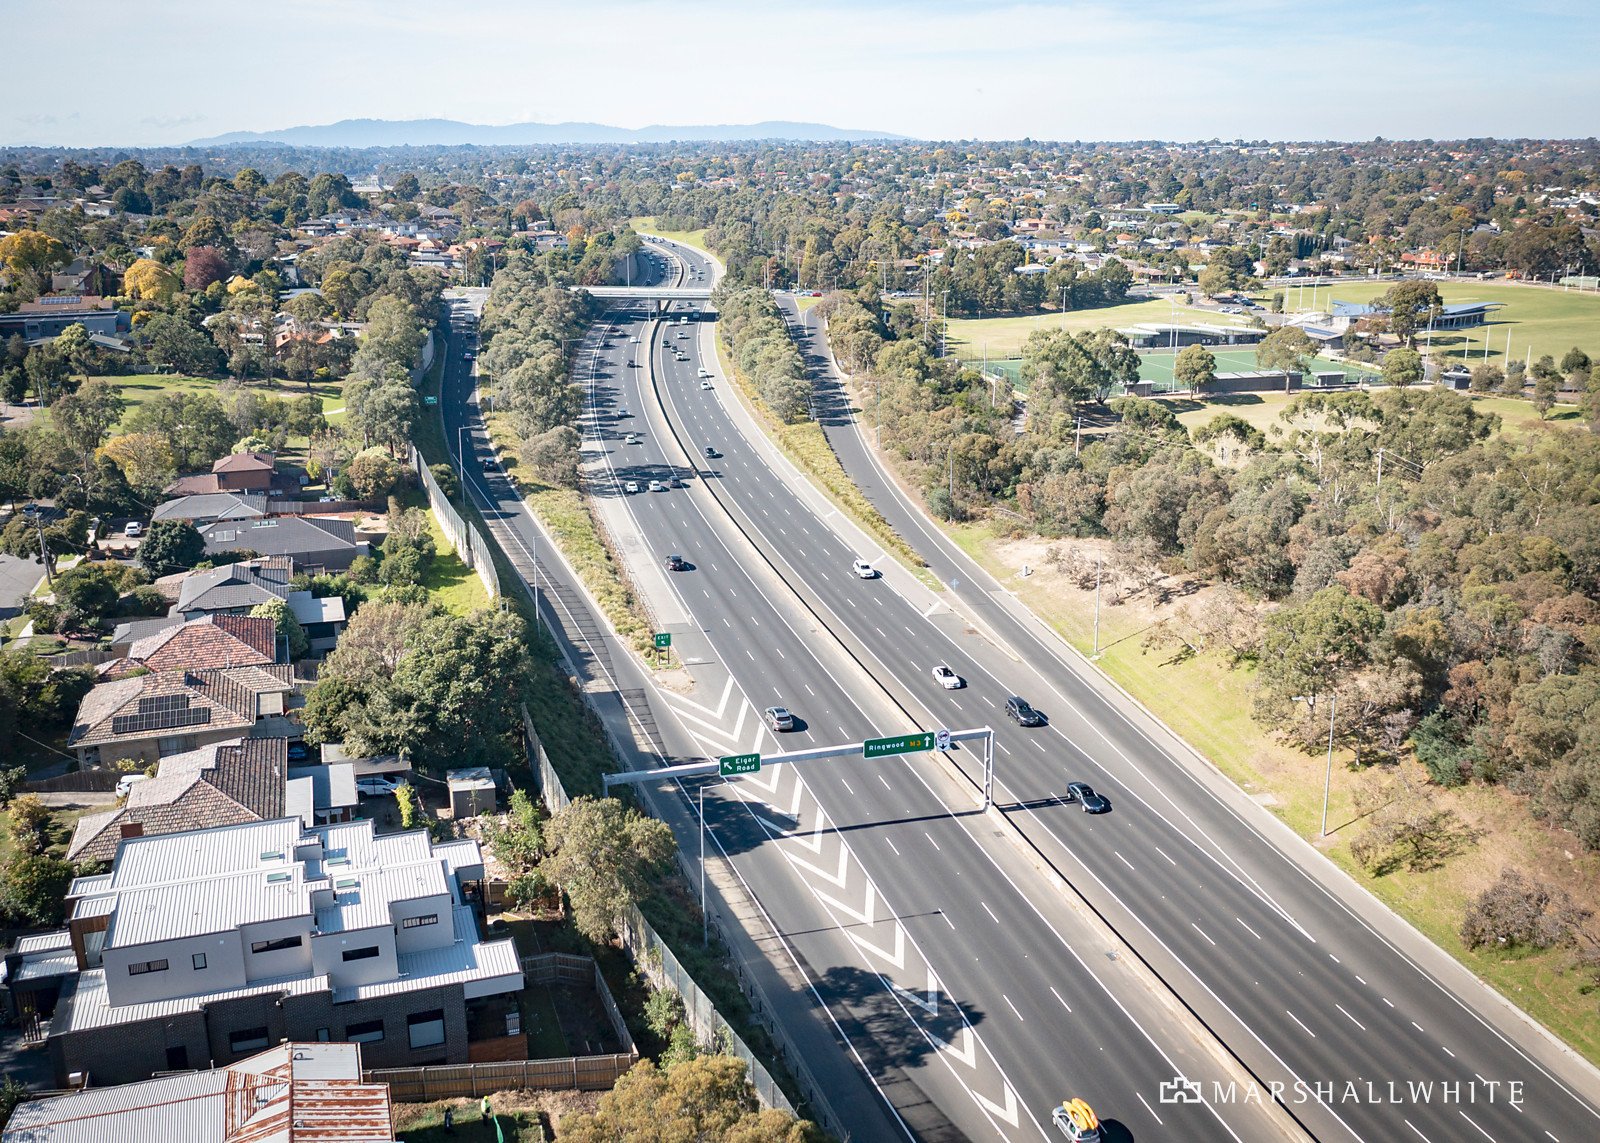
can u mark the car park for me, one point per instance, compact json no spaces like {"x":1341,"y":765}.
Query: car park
{"x":779,"y":718}
{"x":675,"y":562}
{"x":947,"y":678}
{"x":631,"y":486}
{"x":863,"y":570}
{"x":1086,"y":796}
{"x":1019,"y":712}
{"x":376,"y":786}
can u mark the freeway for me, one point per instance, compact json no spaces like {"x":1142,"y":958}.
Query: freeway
{"x":1307,"y":981}
{"x":924,"y":983}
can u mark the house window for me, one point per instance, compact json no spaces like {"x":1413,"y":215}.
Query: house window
{"x":177,"y":1058}
{"x":367,"y":1032}
{"x":248,"y":1040}
{"x":198,"y":960}
{"x":419,"y":922}
{"x":145,"y":966}
{"x":360,"y":954}
{"x":276,"y":945}
{"x":426,"y":1028}
{"x":322,"y":1035}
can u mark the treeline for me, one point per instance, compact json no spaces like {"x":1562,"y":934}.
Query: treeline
{"x":757,"y":335}
{"x":531,"y":324}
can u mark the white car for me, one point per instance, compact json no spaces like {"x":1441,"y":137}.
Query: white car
{"x":631,"y":487}
{"x":704,"y":372}
{"x":657,"y":486}
{"x":632,"y":438}
{"x":864,"y":570}
{"x":133,"y":528}
{"x":127,"y":782}
{"x":706,"y":385}
{"x":947,"y":678}
{"x":376,"y":786}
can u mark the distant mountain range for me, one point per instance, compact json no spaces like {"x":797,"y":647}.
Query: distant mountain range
{"x":448,"y":132}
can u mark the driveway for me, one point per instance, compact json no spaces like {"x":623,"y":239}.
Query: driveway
{"x":17,"y":577}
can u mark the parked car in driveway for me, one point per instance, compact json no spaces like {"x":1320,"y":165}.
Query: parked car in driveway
{"x":376,"y":786}
{"x":1019,"y":712}
{"x":128,"y":781}
{"x":778,"y":718}
{"x":133,"y":528}
{"x":947,"y":678}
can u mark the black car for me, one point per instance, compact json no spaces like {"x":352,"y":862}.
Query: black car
{"x":675,"y":562}
{"x":299,"y":752}
{"x":1085,"y":795}
{"x":1019,"y":712}
{"x":711,"y":453}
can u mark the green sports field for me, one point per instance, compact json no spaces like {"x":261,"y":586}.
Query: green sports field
{"x":1157,"y":366}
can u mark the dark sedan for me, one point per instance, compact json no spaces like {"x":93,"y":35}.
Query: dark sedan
{"x":1085,"y":795}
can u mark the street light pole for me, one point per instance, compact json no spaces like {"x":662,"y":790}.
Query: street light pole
{"x":1327,"y":781}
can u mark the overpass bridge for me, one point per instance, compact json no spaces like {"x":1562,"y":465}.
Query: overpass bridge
{"x":651,"y":293}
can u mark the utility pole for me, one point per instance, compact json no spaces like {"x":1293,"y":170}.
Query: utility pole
{"x":44,"y":550}
{"x":1327,"y":781}
{"x":1380,"y":469}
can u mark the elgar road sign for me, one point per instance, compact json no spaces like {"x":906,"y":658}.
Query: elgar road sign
{"x":735,"y":764}
{"x":663,"y":640}
{"x":900,"y":744}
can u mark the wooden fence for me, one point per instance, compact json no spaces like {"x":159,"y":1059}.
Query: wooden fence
{"x":473,"y":1081}
{"x":79,"y":781}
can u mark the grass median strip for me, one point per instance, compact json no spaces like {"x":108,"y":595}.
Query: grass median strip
{"x":807,"y":446}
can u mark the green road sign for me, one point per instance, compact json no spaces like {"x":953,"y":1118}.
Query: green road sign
{"x":663,"y":640}
{"x":900,"y":744}
{"x":735,"y":764}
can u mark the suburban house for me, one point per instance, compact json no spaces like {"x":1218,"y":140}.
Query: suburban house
{"x":208,"y":507}
{"x":208,"y":641}
{"x":201,"y":948}
{"x":244,"y":780}
{"x":236,"y":472}
{"x":237,"y":589}
{"x":147,"y":717}
{"x":315,"y":545}
{"x":49,"y":316}
{"x":289,"y":1093}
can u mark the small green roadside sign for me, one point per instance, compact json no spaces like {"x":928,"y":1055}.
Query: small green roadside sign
{"x":663,"y":640}
{"x":735,"y":764}
{"x":900,"y":744}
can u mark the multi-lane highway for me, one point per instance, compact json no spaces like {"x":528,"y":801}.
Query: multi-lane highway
{"x":971,"y":987}
{"x":1308,"y":984}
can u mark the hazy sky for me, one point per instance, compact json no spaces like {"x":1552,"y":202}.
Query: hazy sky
{"x":105,"y":72}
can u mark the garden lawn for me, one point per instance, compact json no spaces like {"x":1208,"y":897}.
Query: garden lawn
{"x":137,"y":388}
{"x":452,"y":584}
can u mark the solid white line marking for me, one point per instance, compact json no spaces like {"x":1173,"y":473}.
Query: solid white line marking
{"x":1151,"y":1110}
{"x":1058,"y":996}
{"x":1297,"y":1020}
{"x":1249,"y":930}
{"x":1202,"y":932}
{"x":1351,"y":1018}
{"x":1013,"y":1007}
{"x":990,"y":911}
